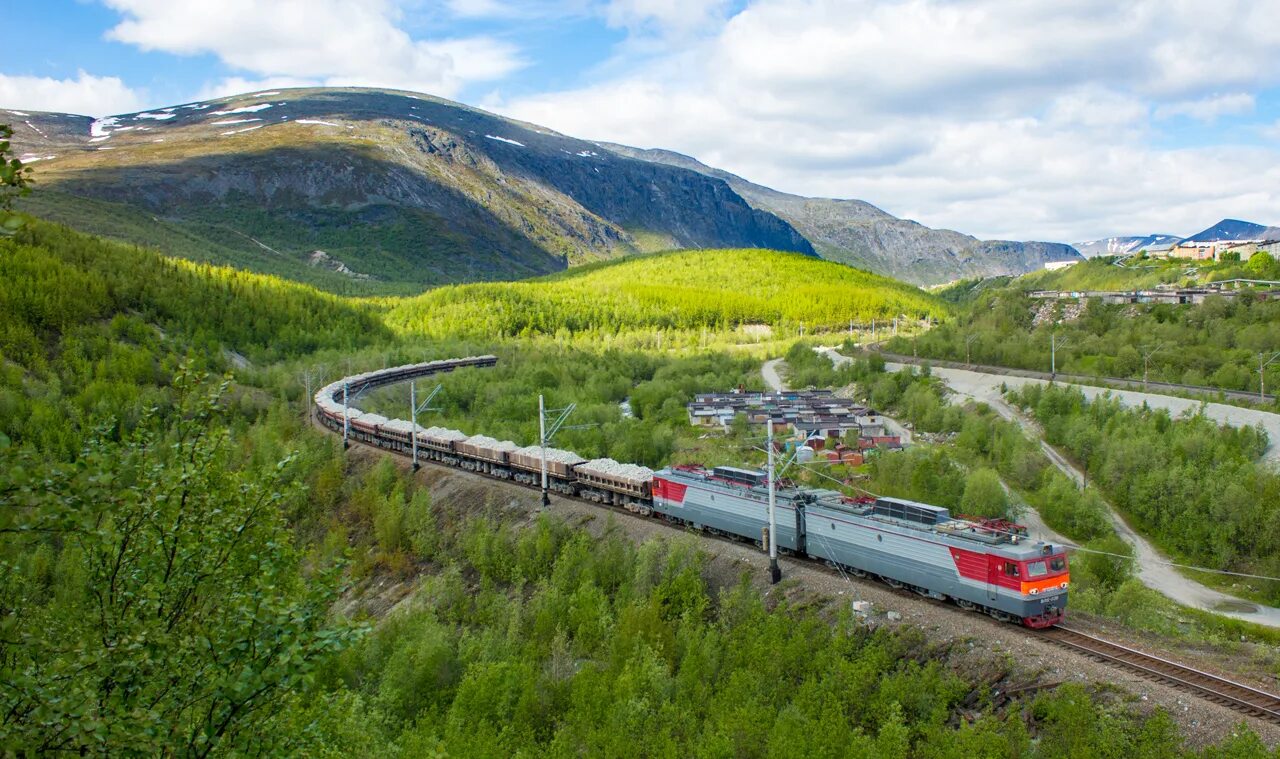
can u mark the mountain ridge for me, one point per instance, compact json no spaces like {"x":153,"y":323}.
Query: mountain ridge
{"x":858,"y":233}
{"x":407,"y":190}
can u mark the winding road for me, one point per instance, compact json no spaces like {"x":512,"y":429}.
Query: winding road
{"x":1152,"y":567}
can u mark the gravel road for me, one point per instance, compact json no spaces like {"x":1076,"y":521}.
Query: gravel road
{"x":1153,"y":568}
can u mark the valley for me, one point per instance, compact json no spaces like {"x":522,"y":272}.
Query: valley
{"x":196,"y":564}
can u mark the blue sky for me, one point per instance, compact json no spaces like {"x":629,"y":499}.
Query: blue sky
{"x":1004,"y":120}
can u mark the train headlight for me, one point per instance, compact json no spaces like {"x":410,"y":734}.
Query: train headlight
{"x":1064,"y":585}
{"x":1034,"y":591}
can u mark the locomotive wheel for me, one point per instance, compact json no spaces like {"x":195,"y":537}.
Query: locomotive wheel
{"x":1000,"y":615}
{"x":967,"y":605}
{"x":892,"y":583}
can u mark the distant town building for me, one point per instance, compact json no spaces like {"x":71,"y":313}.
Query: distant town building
{"x":1056,"y":265}
{"x":817,"y":412}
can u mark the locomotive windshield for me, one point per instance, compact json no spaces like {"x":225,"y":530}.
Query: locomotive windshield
{"x":1056,"y":565}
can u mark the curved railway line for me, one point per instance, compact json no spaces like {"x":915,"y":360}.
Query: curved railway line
{"x":1237,"y":696}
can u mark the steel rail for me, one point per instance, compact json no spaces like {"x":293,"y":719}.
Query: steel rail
{"x":1219,"y":689}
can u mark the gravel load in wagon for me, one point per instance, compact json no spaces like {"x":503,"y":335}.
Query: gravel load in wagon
{"x":372,"y":420}
{"x":441,"y":438}
{"x":608,"y":469}
{"x":487,"y":448}
{"x":558,"y":461}
{"x":401,"y":427}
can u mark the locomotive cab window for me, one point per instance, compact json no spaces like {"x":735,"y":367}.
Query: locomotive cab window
{"x":1037,"y":569}
{"x":1058,"y":564}
{"x":1011,"y":569}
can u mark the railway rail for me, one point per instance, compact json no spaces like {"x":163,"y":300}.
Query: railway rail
{"x":1237,"y":696}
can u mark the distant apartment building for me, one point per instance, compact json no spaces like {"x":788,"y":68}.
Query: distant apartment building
{"x":1214,"y":251}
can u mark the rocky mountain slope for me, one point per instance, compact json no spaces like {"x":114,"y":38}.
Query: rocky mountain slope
{"x":396,"y":189}
{"x":858,"y":233}
{"x":361,"y":190}
{"x":1227,"y":230}
{"x":1119,"y":246}
{"x":1234,"y":229}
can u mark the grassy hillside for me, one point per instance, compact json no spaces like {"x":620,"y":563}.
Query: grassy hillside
{"x":681,"y":290}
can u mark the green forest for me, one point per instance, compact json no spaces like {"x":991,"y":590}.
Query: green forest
{"x":192,"y":569}
{"x":1216,"y":344}
{"x":1198,"y":488}
{"x":711,"y":289}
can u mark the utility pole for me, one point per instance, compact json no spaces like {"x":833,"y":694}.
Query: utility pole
{"x":542,"y":449}
{"x":1262,"y":381}
{"x":873,"y":331}
{"x":1054,"y":344}
{"x":968,"y":341}
{"x":547,"y":431}
{"x":1147,"y":353}
{"x":310,"y":376}
{"x":414,"y":408}
{"x":775,"y":574}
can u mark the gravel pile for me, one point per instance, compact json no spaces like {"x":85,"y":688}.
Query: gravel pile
{"x":553,"y":454}
{"x":610,"y":468}
{"x":491,"y":444}
{"x":444,"y":433}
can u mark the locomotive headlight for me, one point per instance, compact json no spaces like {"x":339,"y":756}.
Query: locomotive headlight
{"x":1064,"y":585}
{"x":1034,"y":591}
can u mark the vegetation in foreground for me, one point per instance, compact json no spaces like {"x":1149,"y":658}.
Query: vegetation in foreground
{"x":172,"y":551}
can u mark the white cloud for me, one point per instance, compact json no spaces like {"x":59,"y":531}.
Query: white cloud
{"x":1210,"y":108}
{"x":336,"y":42}
{"x":1015,"y":120}
{"x":664,"y":16}
{"x":87,"y":94}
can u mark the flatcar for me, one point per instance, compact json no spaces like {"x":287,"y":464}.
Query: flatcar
{"x":981,"y":565}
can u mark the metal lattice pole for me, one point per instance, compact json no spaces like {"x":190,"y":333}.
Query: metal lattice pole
{"x":775,"y":574}
{"x":413,"y":424}
{"x":542,"y":438}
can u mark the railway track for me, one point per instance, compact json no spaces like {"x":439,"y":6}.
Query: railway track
{"x":1241,"y":698}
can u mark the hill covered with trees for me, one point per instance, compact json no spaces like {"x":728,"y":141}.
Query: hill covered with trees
{"x":189,"y":568}
{"x":696,"y":289}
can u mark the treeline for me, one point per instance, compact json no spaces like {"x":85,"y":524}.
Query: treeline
{"x":1197,"y":488}
{"x":93,"y":332}
{"x":713,"y":289}
{"x":1215,"y":344}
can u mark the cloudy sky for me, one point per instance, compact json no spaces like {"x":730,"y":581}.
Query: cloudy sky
{"x":1006,"y":119}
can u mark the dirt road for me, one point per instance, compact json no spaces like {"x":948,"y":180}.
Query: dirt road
{"x":1153,"y":568}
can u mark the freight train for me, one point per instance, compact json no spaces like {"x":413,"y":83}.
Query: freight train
{"x":982,"y":565}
